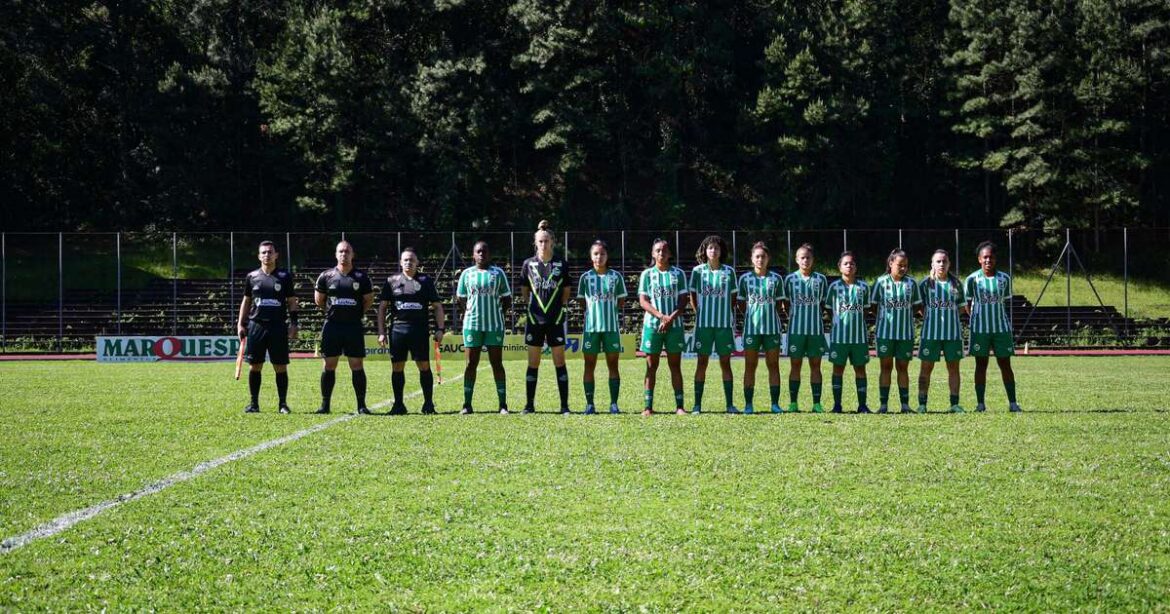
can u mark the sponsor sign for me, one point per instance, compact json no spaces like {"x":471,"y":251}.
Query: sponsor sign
{"x":156,"y":348}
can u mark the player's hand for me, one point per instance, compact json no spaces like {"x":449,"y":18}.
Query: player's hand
{"x":438,"y":336}
{"x":292,"y":332}
{"x":382,"y":340}
{"x":241,"y":331}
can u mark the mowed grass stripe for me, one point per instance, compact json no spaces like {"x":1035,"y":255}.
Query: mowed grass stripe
{"x":544,"y":511}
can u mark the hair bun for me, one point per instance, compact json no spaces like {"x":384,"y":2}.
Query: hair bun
{"x":543,"y":225}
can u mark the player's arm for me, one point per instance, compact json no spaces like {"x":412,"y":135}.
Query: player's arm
{"x":440,"y":321}
{"x":319,"y":298}
{"x":242,"y":321}
{"x":381,"y":320}
{"x":293,"y":305}
{"x":367,"y":301}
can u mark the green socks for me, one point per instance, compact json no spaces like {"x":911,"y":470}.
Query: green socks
{"x":748,"y":395}
{"x":774,"y":391}
{"x":862,"y":388}
{"x":794,"y":389}
{"x":837,"y":384}
{"x":1010,"y":388}
{"x":648,"y":397}
{"x":589,"y":388}
{"x":884,"y":394}
{"x":816,"y":388}
{"x":980,"y":392}
{"x":698,"y":393}
{"x":502,"y":392}
{"x":727,"y":393}
{"x":615,"y":385}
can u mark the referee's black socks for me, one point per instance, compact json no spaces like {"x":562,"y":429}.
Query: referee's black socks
{"x":327,"y":379}
{"x":563,"y":385}
{"x":282,"y":387}
{"x":398,"y":382}
{"x":427,"y":380}
{"x":530,"y":385}
{"x":359,"y":386}
{"x":254,"y":378}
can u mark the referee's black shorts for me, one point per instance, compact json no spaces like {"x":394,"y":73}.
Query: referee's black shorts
{"x":537,"y":335}
{"x":412,"y":340}
{"x":269,"y":339}
{"x":339,"y":338}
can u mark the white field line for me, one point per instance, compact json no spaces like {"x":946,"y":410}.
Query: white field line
{"x":66,"y":521}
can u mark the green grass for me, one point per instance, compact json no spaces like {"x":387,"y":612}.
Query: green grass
{"x":1147,"y":298}
{"x":1062,"y":507}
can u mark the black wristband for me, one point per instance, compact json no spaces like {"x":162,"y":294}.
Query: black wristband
{"x":294,"y":318}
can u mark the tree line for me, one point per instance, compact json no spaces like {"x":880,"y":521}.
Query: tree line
{"x":461,"y":114}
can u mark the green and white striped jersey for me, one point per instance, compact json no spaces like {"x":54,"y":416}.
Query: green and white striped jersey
{"x":601,"y":294}
{"x":988,"y":297}
{"x":895,"y":301}
{"x":848,"y":302}
{"x":942,"y":300}
{"x":805,"y":296}
{"x":664,"y":288}
{"x":760,"y":295}
{"x":483,"y":289}
{"x":713,"y":290}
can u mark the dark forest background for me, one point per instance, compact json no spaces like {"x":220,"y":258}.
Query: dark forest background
{"x":462,"y":114}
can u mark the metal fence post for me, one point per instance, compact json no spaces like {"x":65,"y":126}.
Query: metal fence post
{"x":60,"y":289}
{"x":677,"y":246}
{"x":790,"y":250}
{"x":118,"y":257}
{"x":1068,"y":278}
{"x":566,"y":245}
{"x":512,"y":273}
{"x":844,"y":239}
{"x":958,"y":268}
{"x":232,"y":273}
{"x":623,"y":252}
{"x":900,"y":243}
{"x":3,"y":291}
{"x":1012,"y":274}
{"x":399,"y":254}
{"x":287,"y":253}
{"x":733,"y":249}
{"x":1125,"y":274}
{"x":174,"y":283}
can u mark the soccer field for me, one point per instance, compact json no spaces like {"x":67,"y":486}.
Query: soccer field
{"x":1061,"y":507}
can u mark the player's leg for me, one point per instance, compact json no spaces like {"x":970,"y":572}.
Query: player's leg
{"x":772,"y":360}
{"x":981,"y":363}
{"x":1009,"y":381}
{"x":924,"y":372}
{"x":728,"y":395}
{"x":837,"y":383}
{"x":588,"y":381}
{"x":649,"y":382}
{"x":953,"y":385}
{"x":496,"y":358}
{"x":562,"y":371}
{"x":674,"y":362}
{"x":530,"y":376}
{"x":615,"y":378}
{"x":700,"y":373}
{"x":750,"y":359}
{"x":254,"y":354}
{"x":328,"y":379}
{"x":903,"y":370}
{"x":861,"y":383}
{"x":795,"y":364}
{"x":815,"y":381}
{"x":471,"y":357}
{"x":885,"y":375}
{"x":357,"y":372}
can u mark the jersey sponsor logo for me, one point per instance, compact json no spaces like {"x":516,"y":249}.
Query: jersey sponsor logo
{"x":487,"y":290}
{"x":542,"y":285}
{"x":269,"y":302}
{"x":899,"y":303}
{"x":663,"y":291}
{"x":986,"y":298}
{"x":343,"y":302}
{"x":850,"y":308}
{"x":939,"y":303}
{"x":713,"y":291}
{"x":407,"y":306}
{"x":759,"y":300}
{"x":805,"y":299}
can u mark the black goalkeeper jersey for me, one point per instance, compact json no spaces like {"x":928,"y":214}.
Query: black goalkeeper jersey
{"x":409,"y":299}
{"x":546,"y":282}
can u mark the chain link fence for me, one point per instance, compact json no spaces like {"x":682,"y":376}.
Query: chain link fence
{"x":1083,"y":288}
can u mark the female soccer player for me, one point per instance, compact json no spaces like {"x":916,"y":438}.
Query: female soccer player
{"x":849,"y":300}
{"x":760,"y":292}
{"x":661,"y":289}
{"x":942,"y":335}
{"x":805,"y":290}
{"x":896,"y":296}
{"x":484,"y":290}
{"x":603,"y":290}
{"x":406,"y":298}
{"x":545,"y":293}
{"x":712,"y":285}
{"x":987,"y":292}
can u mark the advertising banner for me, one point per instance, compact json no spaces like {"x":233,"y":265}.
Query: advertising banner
{"x":156,"y":348}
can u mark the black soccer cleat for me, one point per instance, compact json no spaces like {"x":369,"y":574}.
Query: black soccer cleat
{"x":428,"y":408}
{"x":565,"y":411}
{"x":365,"y":411}
{"x":398,"y":410}
{"x":322,"y":410}
{"x":284,"y":409}
{"x":466,"y":410}
{"x":251,"y":409}
{"x":528,"y":409}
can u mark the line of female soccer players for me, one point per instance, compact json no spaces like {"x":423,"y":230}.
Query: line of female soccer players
{"x":765,"y":298}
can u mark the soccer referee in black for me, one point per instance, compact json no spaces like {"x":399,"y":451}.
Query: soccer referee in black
{"x":346,"y":294}
{"x":269,"y":297}
{"x":407,"y":297}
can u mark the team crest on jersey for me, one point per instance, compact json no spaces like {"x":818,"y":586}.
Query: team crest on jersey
{"x":793,"y":349}
{"x":884,"y":348}
{"x":588,"y":345}
{"x":528,"y":338}
{"x":356,"y":285}
{"x":747,"y":339}
{"x":833,"y":355}
{"x":975,"y":347}
{"x":276,"y":286}
{"x":926,"y":351}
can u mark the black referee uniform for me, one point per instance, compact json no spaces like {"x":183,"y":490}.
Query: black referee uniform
{"x":267,"y":331}
{"x":343,"y":332}
{"x":544,"y":323}
{"x":409,"y":301}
